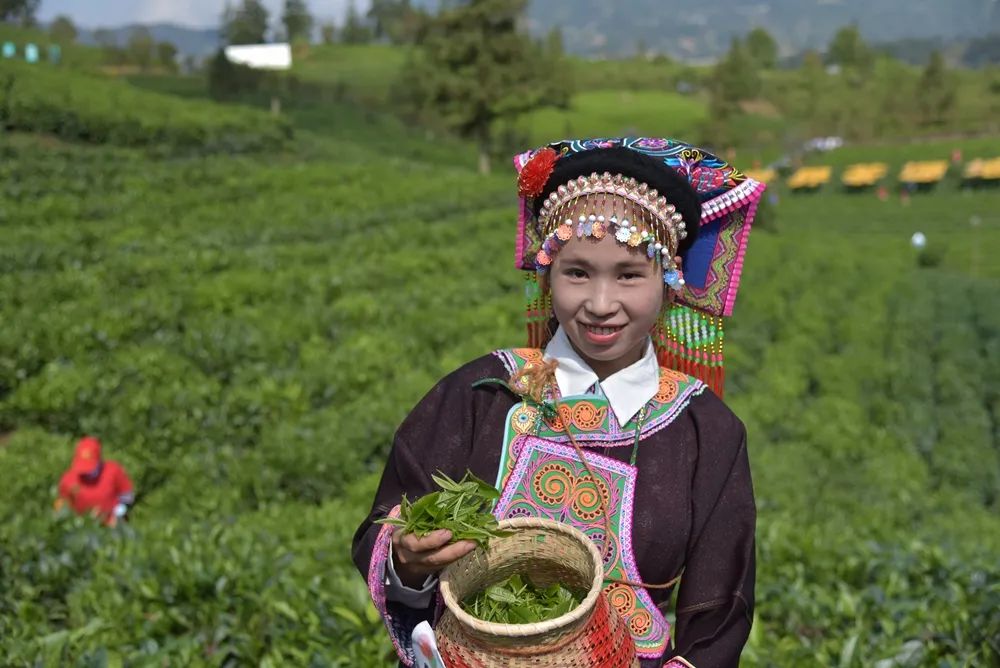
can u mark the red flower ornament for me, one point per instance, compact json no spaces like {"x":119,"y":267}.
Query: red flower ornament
{"x":536,"y":172}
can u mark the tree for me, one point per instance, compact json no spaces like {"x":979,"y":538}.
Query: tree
{"x":734,"y":79}
{"x":355,"y":31}
{"x":190,"y":64}
{"x":983,"y":50}
{"x":895,"y":113}
{"x":297,"y":20}
{"x":397,"y":21}
{"x":104,"y":38}
{"x":848,"y":49}
{"x":246,"y":24}
{"x":228,"y":80}
{"x":411,"y":25}
{"x":382,"y":14}
{"x":328,"y":33}
{"x":935,"y":95}
{"x":19,"y":11}
{"x":140,"y":47}
{"x":813,"y":62}
{"x":762,"y":48}
{"x":641,"y":49}
{"x":166,"y":56}
{"x":812,"y":81}
{"x":113,"y":54}
{"x":475,"y":69}
{"x":62,"y":30}
{"x":560,"y":83}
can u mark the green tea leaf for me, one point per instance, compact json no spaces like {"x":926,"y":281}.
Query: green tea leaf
{"x":461,"y":507}
{"x":517,"y":600}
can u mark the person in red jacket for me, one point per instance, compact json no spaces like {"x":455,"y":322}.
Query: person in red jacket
{"x":93,"y":485}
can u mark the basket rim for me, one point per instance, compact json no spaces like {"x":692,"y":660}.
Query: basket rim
{"x":535,"y":628}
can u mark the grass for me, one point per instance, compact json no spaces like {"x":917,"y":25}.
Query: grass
{"x":963,"y":225}
{"x":367,"y":71}
{"x":899,"y":152}
{"x":612,"y":113}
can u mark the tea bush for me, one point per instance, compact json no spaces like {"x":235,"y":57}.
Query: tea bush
{"x":98,"y":110}
{"x":245,"y":334}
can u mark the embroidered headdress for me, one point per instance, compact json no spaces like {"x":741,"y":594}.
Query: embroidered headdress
{"x":707,"y":231}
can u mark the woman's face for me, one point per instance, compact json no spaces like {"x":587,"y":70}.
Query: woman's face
{"x":606,"y":296}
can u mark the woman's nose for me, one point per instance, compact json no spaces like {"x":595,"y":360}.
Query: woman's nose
{"x":602,"y":301}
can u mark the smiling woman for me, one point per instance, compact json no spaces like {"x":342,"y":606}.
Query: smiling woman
{"x":609,"y":421}
{"x":606,"y":292}
{"x":606,"y":297}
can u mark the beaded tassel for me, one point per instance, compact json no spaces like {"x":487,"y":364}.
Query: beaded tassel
{"x":538,"y":311}
{"x":691,"y":342}
{"x":685,"y":339}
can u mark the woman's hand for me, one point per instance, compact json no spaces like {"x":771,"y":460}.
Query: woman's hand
{"x":415,"y":558}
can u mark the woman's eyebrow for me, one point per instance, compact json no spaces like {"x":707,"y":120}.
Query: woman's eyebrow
{"x":583,"y":263}
{"x":631,"y":264}
{"x":578,"y":262}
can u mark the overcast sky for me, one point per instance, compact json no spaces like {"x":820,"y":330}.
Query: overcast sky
{"x":195,"y":13}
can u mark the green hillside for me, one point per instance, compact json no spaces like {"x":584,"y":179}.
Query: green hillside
{"x":609,"y":113}
{"x":641,"y":102}
{"x":896,"y":154}
{"x":364,"y":71}
{"x":91,"y":108}
{"x":245,"y":330}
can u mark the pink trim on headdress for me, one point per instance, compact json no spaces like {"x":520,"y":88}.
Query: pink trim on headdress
{"x":522,"y":221}
{"x":744,"y":238}
{"x":520,"y":161}
{"x":746,"y":194}
{"x":731,"y":200}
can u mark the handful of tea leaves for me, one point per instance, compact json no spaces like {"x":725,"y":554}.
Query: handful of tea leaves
{"x":517,"y":600}
{"x":461,"y":507}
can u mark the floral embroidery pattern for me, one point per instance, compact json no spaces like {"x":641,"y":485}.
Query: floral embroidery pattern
{"x":549,"y":481}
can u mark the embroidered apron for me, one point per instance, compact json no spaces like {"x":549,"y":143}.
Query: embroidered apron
{"x":540,"y":475}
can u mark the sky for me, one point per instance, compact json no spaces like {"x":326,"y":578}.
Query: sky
{"x":193,"y":13}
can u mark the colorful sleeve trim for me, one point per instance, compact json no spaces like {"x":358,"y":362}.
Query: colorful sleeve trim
{"x":506,"y":356}
{"x":396,"y":620}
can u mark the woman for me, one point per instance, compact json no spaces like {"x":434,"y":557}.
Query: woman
{"x":94,"y":485}
{"x":635,"y":248}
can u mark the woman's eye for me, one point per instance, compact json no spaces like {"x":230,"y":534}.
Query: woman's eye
{"x":576,"y":273}
{"x":630,"y":276}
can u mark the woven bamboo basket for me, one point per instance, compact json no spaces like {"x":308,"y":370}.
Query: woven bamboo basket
{"x":592,"y":635}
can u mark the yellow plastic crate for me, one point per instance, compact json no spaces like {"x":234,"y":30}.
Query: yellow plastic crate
{"x":974,"y":169}
{"x":927,"y":171}
{"x":864,"y":174}
{"x":810,"y":177}
{"x":990,"y":170}
{"x":762,"y":175}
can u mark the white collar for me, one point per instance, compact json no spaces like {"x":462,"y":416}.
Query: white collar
{"x":627,"y":390}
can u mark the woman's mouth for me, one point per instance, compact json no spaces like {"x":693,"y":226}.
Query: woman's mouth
{"x":602,"y":335}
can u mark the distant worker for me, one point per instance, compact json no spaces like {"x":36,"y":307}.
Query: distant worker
{"x":95,"y":486}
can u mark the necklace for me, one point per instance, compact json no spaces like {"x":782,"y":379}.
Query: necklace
{"x":638,"y":433}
